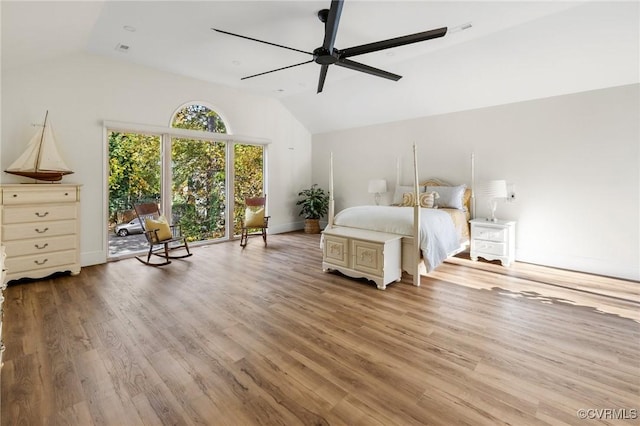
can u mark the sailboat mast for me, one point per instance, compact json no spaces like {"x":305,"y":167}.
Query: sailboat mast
{"x":37,"y":165}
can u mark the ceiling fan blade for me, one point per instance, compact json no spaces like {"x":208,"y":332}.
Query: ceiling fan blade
{"x":393,"y":42}
{"x":331,"y":26}
{"x":357,"y":66}
{"x":323,"y":76}
{"x":279,"y":69}
{"x":262,"y":41}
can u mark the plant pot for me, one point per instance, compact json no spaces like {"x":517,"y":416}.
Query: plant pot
{"x":312,"y":226}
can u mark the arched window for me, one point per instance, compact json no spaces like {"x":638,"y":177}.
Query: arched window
{"x":198,"y":117}
{"x":200,"y":177}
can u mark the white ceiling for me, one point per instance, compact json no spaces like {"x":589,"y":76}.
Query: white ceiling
{"x":514,"y":50}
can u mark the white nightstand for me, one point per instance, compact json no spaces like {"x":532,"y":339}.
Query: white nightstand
{"x":493,"y":240}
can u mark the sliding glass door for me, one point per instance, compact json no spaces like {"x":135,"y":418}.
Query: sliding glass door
{"x":200,"y":176}
{"x":199,"y":188}
{"x":248,"y":178}
{"x":134,"y":176}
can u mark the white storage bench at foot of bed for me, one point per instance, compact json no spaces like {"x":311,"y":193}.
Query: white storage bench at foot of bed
{"x":361,"y":253}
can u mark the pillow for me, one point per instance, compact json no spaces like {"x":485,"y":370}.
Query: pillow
{"x":466,"y":198}
{"x":163,"y":230}
{"x":400,"y":191}
{"x":450,"y":196}
{"x":427,"y":200}
{"x":254,"y":217}
{"x":408,"y":199}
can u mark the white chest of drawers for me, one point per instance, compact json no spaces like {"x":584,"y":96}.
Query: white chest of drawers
{"x":3,"y":286}
{"x":360,"y":253}
{"x":40,"y":229}
{"x":493,"y":240}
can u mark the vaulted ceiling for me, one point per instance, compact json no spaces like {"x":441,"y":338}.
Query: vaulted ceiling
{"x":514,"y":51}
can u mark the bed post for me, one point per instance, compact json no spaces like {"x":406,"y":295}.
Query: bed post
{"x":473,"y":186}
{"x":331,"y":200}
{"x":416,"y":220}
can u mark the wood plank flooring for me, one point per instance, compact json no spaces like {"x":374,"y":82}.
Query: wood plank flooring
{"x":263,"y":336}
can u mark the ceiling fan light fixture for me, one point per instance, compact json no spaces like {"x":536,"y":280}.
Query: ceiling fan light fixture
{"x":122,"y":48}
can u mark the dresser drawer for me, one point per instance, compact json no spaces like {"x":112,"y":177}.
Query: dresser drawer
{"x":367,"y":257}
{"x":38,"y":230}
{"x":336,"y":250}
{"x":489,"y":247}
{"x":45,"y":260}
{"x":39,"y":213}
{"x":489,"y":233}
{"x":43,"y":194}
{"x":40,"y":245}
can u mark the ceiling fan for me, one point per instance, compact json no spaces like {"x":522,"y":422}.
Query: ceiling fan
{"x":327,"y":54}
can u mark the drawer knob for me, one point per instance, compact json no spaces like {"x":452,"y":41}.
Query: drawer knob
{"x":40,"y":263}
{"x":43,"y":231}
{"x":15,"y":195}
{"x":42,"y":214}
{"x":41,"y":247}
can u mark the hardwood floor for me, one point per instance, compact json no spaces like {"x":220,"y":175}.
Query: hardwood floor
{"x":263,"y":336}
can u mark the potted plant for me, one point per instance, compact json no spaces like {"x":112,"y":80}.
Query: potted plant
{"x":314,"y":204}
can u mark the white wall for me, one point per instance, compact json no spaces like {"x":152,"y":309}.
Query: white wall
{"x":574,"y":160}
{"x":82,"y":91}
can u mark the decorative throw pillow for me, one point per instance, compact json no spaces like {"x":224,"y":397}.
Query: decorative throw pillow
{"x":408,"y":199}
{"x":428,"y":199}
{"x":399,"y":194}
{"x":161,"y":226}
{"x":254,"y":217}
{"x":450,"y":196}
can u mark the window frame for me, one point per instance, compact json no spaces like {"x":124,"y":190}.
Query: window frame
{"x":166,"y":133}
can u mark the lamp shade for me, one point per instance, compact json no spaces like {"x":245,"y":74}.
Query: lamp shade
{"x":377,"y":186}
{"x":493,"y":189}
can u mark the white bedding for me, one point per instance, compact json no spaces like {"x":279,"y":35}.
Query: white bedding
{"x":438,"y":236}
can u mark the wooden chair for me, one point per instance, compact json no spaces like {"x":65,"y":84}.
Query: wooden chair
{"x":254,"y":219}
{"x":162,"y":237}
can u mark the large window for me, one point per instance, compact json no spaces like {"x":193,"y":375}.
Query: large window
{"x":191,"y":173}
{"x":248,"y":167}
{"x":134,"y":176}
{"x":199,"y":175}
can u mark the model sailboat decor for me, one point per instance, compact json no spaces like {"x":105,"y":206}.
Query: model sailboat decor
{"x":41,"y":160}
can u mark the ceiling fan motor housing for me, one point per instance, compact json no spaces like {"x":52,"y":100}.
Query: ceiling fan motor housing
{"x":323,"y":57}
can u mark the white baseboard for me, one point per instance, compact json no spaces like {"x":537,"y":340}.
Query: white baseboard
{"x":93,"y":258}
{"x":286,"y":227}
{"x":581,"y":264}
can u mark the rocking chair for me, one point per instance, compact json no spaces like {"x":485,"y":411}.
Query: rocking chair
{"x":254,"y":219}
{"x":162,"y":237}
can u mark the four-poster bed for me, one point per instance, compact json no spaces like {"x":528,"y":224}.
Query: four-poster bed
{"x":379,"y":242}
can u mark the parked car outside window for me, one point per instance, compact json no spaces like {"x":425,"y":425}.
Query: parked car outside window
{"x":133,"y":227}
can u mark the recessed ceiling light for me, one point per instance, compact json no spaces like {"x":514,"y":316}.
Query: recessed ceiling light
{"x":122,"y":48}
{"x":279,"y":90}
{"x":129,"y":28}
